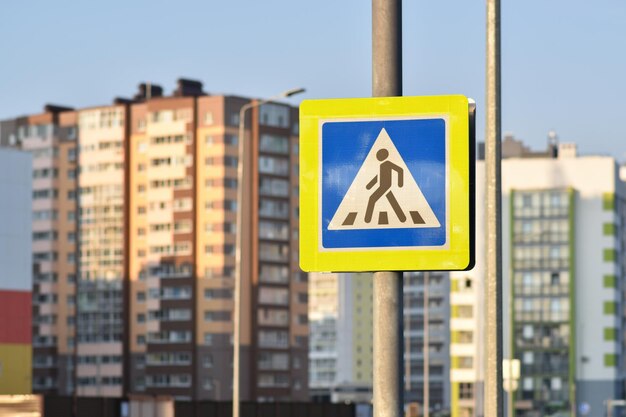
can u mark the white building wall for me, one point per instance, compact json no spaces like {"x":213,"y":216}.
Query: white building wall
{"x":590,"y":177}
{"x":15,"y":220}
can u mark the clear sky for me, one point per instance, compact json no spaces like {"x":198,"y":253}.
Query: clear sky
{"x":564,"y":62}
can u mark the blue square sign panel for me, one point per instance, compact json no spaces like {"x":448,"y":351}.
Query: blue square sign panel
{"x":383,"y":183}
{"x":387,"y":184}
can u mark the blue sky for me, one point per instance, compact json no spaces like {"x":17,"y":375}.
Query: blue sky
{"x":564,"y":66}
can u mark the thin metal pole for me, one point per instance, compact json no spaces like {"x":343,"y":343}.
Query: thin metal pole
{"x":238,"y":266}
{"x":493,"y":401}
{"x":388,"y":296}
{"x":388,"y":387}
{"x":426,"y":348}
{"x":386,"y":48}
{"x":511,"y":381}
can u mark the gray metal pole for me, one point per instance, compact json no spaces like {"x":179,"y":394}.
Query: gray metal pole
{"x":386,"y":48}
{"x":388,"y":387}
{"x":388,"y":296}
{"x":493,"y":288}
{"x":238,"y":260}
{"x":426,"y":412}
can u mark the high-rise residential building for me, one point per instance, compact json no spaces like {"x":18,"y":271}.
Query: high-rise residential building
{"x":340,"y":319}
{"x":155,"y":202}
{"x":434,"y":287}
{"x":564,"y":267}
{"x":50,"y":138}
{"x":340,"y":342}
{"x":323,"y":320}
{"x":15,"y":272}
{"x":101,"y":216}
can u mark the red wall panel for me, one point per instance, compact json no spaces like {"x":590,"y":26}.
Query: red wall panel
{"x":15,"y":317}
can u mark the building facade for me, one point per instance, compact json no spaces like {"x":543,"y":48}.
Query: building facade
{"x":50,"y":138}
{"x":341,"y":350}
{"x":16,"y":275}
{"x":563,"y":266}
{"x":156,"y":204}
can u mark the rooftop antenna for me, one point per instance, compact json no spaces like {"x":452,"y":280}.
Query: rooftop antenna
{"x":553,"y":143}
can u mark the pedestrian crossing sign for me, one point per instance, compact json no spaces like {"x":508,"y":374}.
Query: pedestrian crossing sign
{"x":387,"y":184}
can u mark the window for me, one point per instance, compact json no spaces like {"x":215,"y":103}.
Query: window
{"x":230,"y":183}
{"x":528,"y":358}
{"x":466,"y":390}
{"x":273,"y":361}
{"x":274,"y":273}
{"x":45,"y":215}
{"x":273,"y":230}
{"x":230,"y":205}
{"x":273,"y":338}
{"x":273,"y":209}
{"x":233,"y":119}
{"x":273,"y":165}
{"x":212,"y":316}
{"x":554,"y":278}
{"x":207,"y":360}
{"x":218,"y":293}
{"x":274,"y":187}
{"x":527,"y":331}
{"x":278,"y":296}
{"x":230,"y":161}
{"x":45,"y":194}
{"x":273,"y":252}
{"x":273,"y":317}
{"x":208,"y":118}
{"x":274,"y":144}
{"x":275,"y":115}
{"x":158,"y":140}
{"x":49,"y":235}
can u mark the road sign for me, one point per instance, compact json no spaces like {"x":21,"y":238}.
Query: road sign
{"x":386,"y":184}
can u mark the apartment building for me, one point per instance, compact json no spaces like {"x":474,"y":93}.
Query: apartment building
{"x":340,"y":355}
{"x":427,"y":302}
{"x":50,"y":138}
{"x":323,"y":321}
{"x":101,"y":157}
{"x":563,"y":268}
{"x":157,"y":214}
{"x":16,"y":272}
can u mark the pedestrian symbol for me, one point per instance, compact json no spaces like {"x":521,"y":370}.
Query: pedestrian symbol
{"x":384,"y":194}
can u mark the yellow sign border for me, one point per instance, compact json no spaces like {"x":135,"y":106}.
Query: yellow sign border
{"x":457,"y":255}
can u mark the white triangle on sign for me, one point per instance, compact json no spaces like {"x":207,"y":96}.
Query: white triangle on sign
{"x":377,"y":187}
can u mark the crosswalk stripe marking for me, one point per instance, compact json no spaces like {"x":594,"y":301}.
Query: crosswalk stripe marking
{"x":350,"y":218}
{"x":417,"y":219}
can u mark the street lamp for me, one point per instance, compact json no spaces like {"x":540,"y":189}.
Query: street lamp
{"x":239,"y":230}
